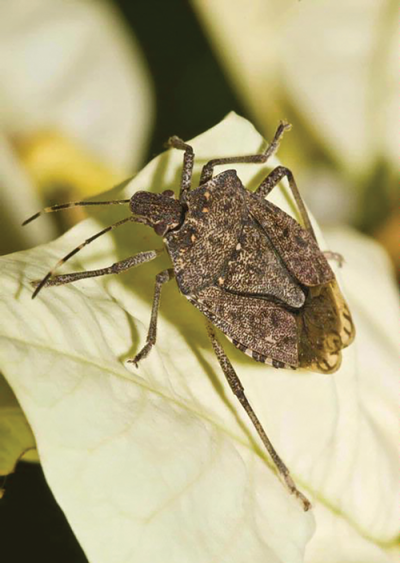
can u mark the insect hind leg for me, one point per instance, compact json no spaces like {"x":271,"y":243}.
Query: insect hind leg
{"x":273,"y":180}
{"x":238,"y":390}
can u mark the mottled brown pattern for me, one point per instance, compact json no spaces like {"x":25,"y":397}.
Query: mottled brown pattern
{"x":248,"y":321}
{"x":255,"y":268}
{"x":200,"y":248}
{"x":295,"y":245}
{"x":260,"y":277}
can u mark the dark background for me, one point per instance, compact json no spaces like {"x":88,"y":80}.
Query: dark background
{"x":191,"y":96}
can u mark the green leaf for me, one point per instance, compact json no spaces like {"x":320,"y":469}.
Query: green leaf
{"x":160,"y":464}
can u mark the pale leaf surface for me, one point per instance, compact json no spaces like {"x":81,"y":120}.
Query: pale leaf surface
{"x":372,"y":467}
{"x":337,"y":541}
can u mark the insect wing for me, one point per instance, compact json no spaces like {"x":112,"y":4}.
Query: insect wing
{"x":261,"y":329}
{"x":325,"y":328}
{"x":256,"y":269}
{"x":347,"y":329}
{"x":295,"y":245}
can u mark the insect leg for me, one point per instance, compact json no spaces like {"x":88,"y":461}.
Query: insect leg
{"x":161,"y":278}
{"x":238,"y":390}
{"x":71,"y":204}
{"x":82,"y":245}
{"x":273,"y":180}
{"x":208,"y":169}
{"x":188,"y":162}
{"x":116,"y":268}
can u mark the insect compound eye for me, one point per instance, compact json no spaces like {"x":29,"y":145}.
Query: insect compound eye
{"x":169,"y":193}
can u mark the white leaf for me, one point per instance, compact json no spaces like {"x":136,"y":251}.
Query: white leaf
{"x":360,"y":522}
{"x":338,"y":541}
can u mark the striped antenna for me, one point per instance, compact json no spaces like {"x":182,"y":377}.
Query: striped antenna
{"x":62,"y":206}
{"x":82,"y":245}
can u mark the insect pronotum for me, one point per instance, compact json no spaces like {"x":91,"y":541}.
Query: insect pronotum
{"x":251,"y":269}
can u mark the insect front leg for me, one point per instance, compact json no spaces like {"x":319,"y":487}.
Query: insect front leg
{"x":237,"y":388}
{"x":188,"y":162}
{"x":273,"y":180}
{"x":115,"y":268}
{"x":161,"y":278}
{"x":208,"y":169}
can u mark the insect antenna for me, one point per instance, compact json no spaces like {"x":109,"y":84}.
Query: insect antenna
{"x":82,"y":245}
{"x":62,"y":206}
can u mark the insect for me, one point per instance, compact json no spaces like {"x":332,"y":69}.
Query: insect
{"x":251,"y":269}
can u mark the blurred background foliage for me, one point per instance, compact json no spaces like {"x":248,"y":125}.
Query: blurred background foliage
{"x":90,"y":91}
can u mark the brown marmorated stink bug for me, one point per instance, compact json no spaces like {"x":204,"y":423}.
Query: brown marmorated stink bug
{"x":251,"y":269}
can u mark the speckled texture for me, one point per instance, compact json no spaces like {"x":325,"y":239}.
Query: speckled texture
{"x":210,"y":232}
{"x":260,"y":277}
{"x":295,"y":245}
{"x":253,"y":270}
{"x":257,"y":327}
